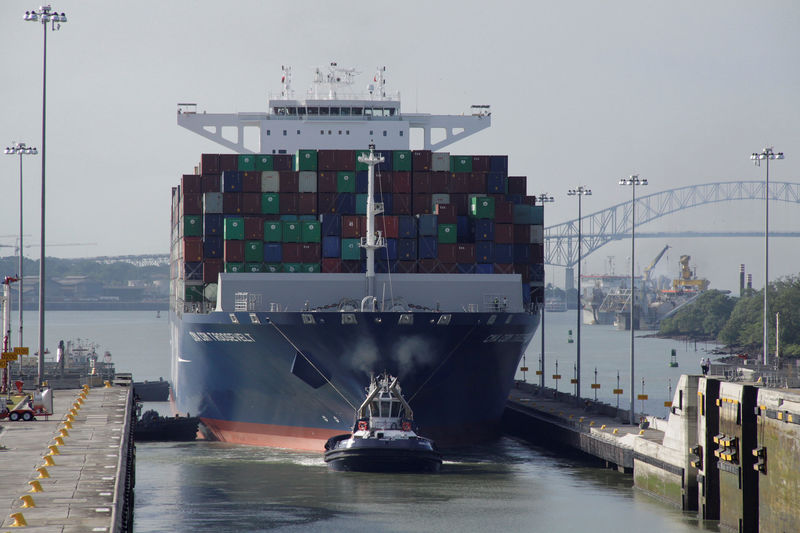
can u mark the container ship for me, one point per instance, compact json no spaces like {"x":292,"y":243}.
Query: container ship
{"x":332,"y":252}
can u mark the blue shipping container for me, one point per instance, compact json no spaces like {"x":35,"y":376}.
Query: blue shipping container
{"x":503,"y":253}
{"x":537,"y":272}
{"x":390,"y":250}
{"x":407,"y":226}
{"x":498,"y":163}
{"x":428,"y":225}
{"x":466,"y":268}
{"x":331,"y":246}
{"x":272,"y":252}
{"x":482,"y":268}
{"x":428,"y":248}
{"x":231,"y":181}
{"x":522,"y":253}
{"x":346,"y":203}
{"x":362,"y":181}
{"x":522,"y":214}
{"x":484,"y":252}
{"x":212,"y":224}
{"x":463,"y":233}
{"x":386,"y":198}
{"x":496,"y":183}
{"x":331,"y":225}
{"x":212,"y":247}
{"x":483,"y":229}
{"x":193,"y":271}
{"x":289,"y":218}
{"x":407,"y":249}
{"x":387,"y":160}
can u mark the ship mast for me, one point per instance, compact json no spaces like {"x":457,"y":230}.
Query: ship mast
{"x":373,"y":240}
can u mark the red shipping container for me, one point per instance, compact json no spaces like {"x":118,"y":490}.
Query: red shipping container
{"x":461,"y":204}
{"x":251,"y":203}
{"x":326,"y":159}
{"x":503,"y":268}
{"x":345,"y":160}
{"x":522,"y":233}
{"x":383,"y":181}
{"x":421,"y":182}
{"x":389,"y":225}
{"x":232,"y":203}
{"x":291,"y":252}
{"x":517,"y":185}
{"x":192,"y":203}
{"x":401,"y":204}
{"x":326,"y":181}
{"x":192,"y":249}
{"x":254,"y":228}
{"x":401,"y":182}
{"x":421,"y":160}
{"x":234,"y":251}
{"x":465,"y":253}
{"x":211,"y":270}
{"x":447,"y":253}
{"x":446,"y":213}
{"x":504,"y":233}
{"x":282,"y":162}
{"x":427,"y":266}
{"x":351,"y":267}
{"x":251,"y":181}
{"x":351,"y":227}
{"x":209,"y":164}
{"x":537,"y":253}
{"x":307,"y":203}
{"x":326,"y":202}
{"x":406,"y":267}
{"x":477,"y":183}
{"x":228,"y":162}
{"x":481,"y":163}
{"x":446,"y":268}
{"x":331,"y":264}
{"x":191,"y":183}
{"x":421,"y":204}
{"x":289,"y":181}
{"x":212,"y":183}
{"x":309,"y":252}
{"x":460,"y":182}
{"x":504,"y":212}
{"x":497,"y":197}
{"x":287,"y":205}
{"x":440,"y":182}
{"x":524,"y":270}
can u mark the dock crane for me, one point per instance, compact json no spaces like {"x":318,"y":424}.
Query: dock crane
{"x":652,"y":265}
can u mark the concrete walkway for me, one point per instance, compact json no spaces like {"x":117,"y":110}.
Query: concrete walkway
{"x":82,"y":490}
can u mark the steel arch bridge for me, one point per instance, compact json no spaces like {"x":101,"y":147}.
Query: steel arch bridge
{"x":614,"y":223}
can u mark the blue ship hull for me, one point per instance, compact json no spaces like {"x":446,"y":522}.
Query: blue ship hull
{"x":293,"y":379}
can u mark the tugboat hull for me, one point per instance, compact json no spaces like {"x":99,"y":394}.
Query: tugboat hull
{"x":376,"y":455}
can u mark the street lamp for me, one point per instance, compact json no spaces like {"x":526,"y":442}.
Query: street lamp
{"x":52,"y":18}
{"x":20,"y":149}
{"x":766,"y":154}
{"x":543,"y":199}
{"x":634,"y":181}
{"x":579,"y":191}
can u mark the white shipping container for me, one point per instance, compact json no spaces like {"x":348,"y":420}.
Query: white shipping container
{"x":440,"y":161}
{"x":307,"y":181}
{"x":212,"y":202}
{"x":270,"y":181}
{"x":439,"y":198}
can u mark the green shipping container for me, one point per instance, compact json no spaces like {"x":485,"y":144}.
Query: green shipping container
{"x":254,"y":267}
{"x":292,"y":231}
{"x":264,"y":162}
{"x":310,"y":231}
{"x":272,"y":267}
{"x":345,"y":181}
{"x":273,"y":231}
{"x":351,"y":249}
{"x":305,"y":160}
{"x":482,"y":207}
{"x":234,"y":267}
{"x":291,"y":267}
{"x":254,"y":252}
{"x":193,"y":293}
{"x":448,"y":233}
{"x":270,"y":204}
{"x":460,"y":163}
{"x":310,"y":268}
{"x":401,"y":160}
{"x":192,"y":226}
{"x":522,"y":214}
{"x":361,"y":204}
{"x":537,"y":214}
{"x":234,"y":229}
{"x":247,"y":162}
{"x":359,"y":164}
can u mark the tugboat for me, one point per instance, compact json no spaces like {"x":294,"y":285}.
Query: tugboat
{"x":153,"y":427}
{"x":383,"y":437}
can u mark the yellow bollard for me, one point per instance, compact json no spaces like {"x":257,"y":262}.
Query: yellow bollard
{"x":27,"y":501}
{"x":73,"y":413}
{"x":43,"y":473}
{"x":616,"y":431}
{"x":580,"y":420}
{"x":48,"y":460}
{"x":591,"y":423}
{"x":107,"y":385}
{"x":79,"y":400}
{"x":59,"y":441}
{"x":53,"y":450}
{"x":68,"y":424}
{"x":19,"y":520}
{"x":64,"y":433}
{"x":603,"y":426}
{"x":35,"y":486}
{"x":641,"y":432}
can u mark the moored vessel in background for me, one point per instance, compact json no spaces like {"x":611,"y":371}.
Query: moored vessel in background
{"x":288,"y":291}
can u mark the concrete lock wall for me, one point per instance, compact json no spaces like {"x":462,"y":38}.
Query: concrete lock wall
{"x":704,"y":460}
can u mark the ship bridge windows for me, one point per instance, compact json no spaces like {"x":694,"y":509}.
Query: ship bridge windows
{"x":313,"y":111}
{"x":324,"y":111}
{"x":335,"y":111}
{"x":358,"y":111}
{"x":345,"y":111}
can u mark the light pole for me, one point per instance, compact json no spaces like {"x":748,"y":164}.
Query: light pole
{"x":579,"y":191}
{"x":634,"y":182}
{"x":543,"y":199}
{"x":52,"y":18}
{"x":20,"y":149}
{"x":766,"y":154}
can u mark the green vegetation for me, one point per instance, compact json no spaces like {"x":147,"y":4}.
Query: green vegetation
{"x":739,"y":321}
{"x":110,"y":274}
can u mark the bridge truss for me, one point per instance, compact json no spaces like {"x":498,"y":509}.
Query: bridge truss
{"x":614,"y":223}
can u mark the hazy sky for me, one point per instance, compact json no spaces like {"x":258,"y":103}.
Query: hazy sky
{"x":582,"y":93}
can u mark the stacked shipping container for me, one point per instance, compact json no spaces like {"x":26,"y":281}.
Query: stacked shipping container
{"x":305,"y":213}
